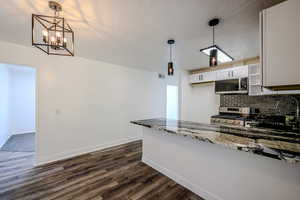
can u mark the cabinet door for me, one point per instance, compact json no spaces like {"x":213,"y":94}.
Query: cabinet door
{"x":240,"y":72}
{"x":210,"y":76}
{"x":193,"y":78}
{"x":232,"y":73}
{"x":197,"y":78}
{"x":202,"y":77}
{"x":255,"y":82}
{"x":224,"y":74}
{"x":281,"y":44}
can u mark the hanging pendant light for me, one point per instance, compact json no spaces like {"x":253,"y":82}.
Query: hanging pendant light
{"x":215,"y":53}
{"x":52,"y":34}
{"x":213,"y":57}
{"x":170,"y":64}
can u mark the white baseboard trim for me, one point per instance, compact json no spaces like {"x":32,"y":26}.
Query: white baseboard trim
{"x":24,"y":132}
{"x":60,"y":156}
{"x":181,"y":180}
{"x":6,"y":137}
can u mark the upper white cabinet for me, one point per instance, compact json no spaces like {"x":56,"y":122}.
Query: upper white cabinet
{"x":232,"y":73}
{"x":224,"y":74}
{"x":255,"y":83}
{"x":280,"y":44}
{"x":203,"y":77}
{"x":240,"y":72}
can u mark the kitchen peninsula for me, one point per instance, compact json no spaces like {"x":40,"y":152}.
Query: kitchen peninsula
{"x":266,"y":142}
{"x":189,"y":152}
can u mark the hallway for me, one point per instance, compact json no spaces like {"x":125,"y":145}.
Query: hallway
{"x":20,"y":143}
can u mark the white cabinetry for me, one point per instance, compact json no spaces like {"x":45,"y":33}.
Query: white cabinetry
{"x":280,"y":44}
{"x":203,"y":77}
{"x":232,"y":73}
{"x":224,"y":74}
{"x":240,"y":72}
{"x":255,"y":83}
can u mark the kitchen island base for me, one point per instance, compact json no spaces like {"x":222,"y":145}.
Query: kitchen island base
{"x":218,"y":173}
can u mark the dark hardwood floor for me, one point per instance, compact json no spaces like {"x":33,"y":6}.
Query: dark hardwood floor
{"x":113,"y":173}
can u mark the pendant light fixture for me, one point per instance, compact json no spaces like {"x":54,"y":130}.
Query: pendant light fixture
{"x":215,"y":53}
{"x":170,"y":64}
{"x":52,"y":34}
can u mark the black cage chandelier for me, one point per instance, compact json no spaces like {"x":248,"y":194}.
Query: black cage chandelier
{"x":215,"y":53}
{"x":52,"y":34}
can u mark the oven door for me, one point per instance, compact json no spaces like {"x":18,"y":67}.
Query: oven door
{"x":231,"y":86}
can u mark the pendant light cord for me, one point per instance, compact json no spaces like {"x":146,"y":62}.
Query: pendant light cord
{"x":213,"y":35}
{"x":171,"y":53}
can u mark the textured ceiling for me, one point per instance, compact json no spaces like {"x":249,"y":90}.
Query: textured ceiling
{"x":134,"y":32}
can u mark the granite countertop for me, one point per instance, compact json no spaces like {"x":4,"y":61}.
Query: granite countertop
{"x":272,"y":143}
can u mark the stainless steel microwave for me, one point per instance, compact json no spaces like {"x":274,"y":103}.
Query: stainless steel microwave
{"x":232,"y":86}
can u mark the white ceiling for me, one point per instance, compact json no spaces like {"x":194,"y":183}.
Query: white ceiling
{"x":134,"y":32}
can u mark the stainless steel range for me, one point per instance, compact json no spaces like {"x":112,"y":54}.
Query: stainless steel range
{"x":250,"y":117}
{"x":237,"y":116}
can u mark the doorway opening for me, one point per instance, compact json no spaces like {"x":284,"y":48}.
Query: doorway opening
{"x":18,"y":109}
{"x":172,"y":102}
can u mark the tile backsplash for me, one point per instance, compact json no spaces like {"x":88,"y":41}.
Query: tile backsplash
{"x":277,"y":104}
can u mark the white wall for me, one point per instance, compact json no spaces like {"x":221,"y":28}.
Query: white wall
{"x":83,"y":105}
{"x":198,"y":102}
{"x":22,"y":119}
{"x":4,"y":104}
{"x":219,"y":173}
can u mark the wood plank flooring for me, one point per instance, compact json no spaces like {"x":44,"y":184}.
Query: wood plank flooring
{"x":115,"y":173}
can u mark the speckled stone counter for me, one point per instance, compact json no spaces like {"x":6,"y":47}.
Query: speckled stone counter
{"x":272,"y":143}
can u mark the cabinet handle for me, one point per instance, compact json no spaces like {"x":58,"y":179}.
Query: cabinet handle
{"x":232,"y":73}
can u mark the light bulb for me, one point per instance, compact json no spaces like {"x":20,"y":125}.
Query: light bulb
{"x":65,"y":42}
{"x":170,"y":69}
{"x":58,"y":38}
{"x":45,"y":36}
{"x":52,"y":40}
{"x":213,"y":58}
{"x":45,"y":33}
